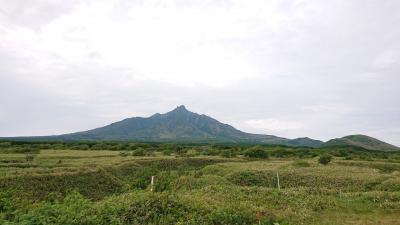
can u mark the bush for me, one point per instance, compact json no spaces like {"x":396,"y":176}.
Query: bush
{"x":301,"y":163}
{"x":5,"y":145}
{"x":92,"y":184}
{"x":256,"y":152}
{"x":325,"y":159}
{"x":228,"y":154}
{"x":283,"y":153}
{"x":72,"y":210}
{"x":390,"y":185}
{"x":162,"y":209}
{"x":252,"y":178}
{"x":230,"y":215}
{"x":139,"y":152}
{"x":123,"y":154}
{"x":164,"y":180}
{"x":29,"y":157}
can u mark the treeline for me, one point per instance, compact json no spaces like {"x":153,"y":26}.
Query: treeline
{"x":189,"y":149}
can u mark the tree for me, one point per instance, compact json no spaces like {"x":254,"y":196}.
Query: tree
{"x":325,"y":159}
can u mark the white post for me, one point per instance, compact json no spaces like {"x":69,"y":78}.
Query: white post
{"x":277,"y":177}
{"x":152,"y":183}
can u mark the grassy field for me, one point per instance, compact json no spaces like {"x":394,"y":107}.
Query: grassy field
{"x":113,"y":187}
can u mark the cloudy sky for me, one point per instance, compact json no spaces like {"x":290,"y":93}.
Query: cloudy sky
{"x":291,"y":68}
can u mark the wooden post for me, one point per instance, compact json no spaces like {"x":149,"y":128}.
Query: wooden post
{"x":277,"y":177}
{"x":152,"y":183}
{"x":259,"y":217}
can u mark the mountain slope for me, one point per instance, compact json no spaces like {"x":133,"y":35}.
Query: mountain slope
{"x":179,"y":125}
{"x":363,"y":141}
{"x":305,"y":141}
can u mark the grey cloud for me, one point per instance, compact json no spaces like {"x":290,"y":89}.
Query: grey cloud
{"x":331,"y":66}
{"x":33,"y":13}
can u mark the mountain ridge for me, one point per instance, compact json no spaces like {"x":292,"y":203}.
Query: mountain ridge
{"x":362,"y":141}
{"x":178,"y":124}
{"x":182,"y":125}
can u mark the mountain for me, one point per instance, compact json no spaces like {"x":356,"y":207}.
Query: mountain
{"x":304,"y":141}
{"x":363,"y":141}
{"x":181,"y":125}
{"x":177,"y":125}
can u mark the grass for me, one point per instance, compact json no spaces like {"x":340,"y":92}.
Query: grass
{"x":106,"y":187}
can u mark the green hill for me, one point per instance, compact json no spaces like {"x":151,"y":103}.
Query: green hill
{"x":362,"y":141}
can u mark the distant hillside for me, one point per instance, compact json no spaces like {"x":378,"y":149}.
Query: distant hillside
{"x":363,"y":141}
{"x":181,"y":125}
{"x":305,"y":141}
{"x":177,"y":125}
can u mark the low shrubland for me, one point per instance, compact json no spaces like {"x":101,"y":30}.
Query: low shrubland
{"x":109,"y":183}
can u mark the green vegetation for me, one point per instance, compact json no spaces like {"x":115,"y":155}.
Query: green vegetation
{"x":256,"y":152}
{"x":325,"y":159}
{"x":362,"y":141}
{"x":109,"y":183}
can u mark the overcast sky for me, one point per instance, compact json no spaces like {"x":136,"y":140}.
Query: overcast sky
{"x":315,"y":68}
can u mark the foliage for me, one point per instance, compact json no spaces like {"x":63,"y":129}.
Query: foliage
{"x":251,"y":178}
{"x":162,"y":209}
{"x":139,"y":152}
{"x":301,"y":163}
{"x":95,"y":185}
{"x":256,"y":152}
{"x":195,"y":184}
{"x":123,"y":154}
{"x":29,"y":157}
{"x":72,"y":210}
{"x":325,"y":159}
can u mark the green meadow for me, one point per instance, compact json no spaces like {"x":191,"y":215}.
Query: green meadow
{"x":109,"y":183}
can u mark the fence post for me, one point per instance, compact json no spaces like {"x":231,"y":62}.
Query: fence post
{"x":152,"y":183}
{"x":277,"y":177}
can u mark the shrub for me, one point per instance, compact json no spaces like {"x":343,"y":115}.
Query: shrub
{"x":92,"y":184}
{"x":167,"y":152}
{"x":185,"y":183}
{"x":228,"y":154}
{"x":29,"y":157}
{"x":390,"y":185}
{"x":283,"y":153}
{"x":5,"y":144}
{"x":252,"y":178}
{"x":387,"y":167}
{"x":230,"y":215}
{"x":123,"y":154}
{"x":325,"y":159}
{"x":163,"y":180}
{"x":139,"y":152}
{"x":301,"y":163}
{"x":256,"y":152}
{"x":80,"y":147}
{"x":72,"y":210}
{"x":162,"y":209}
